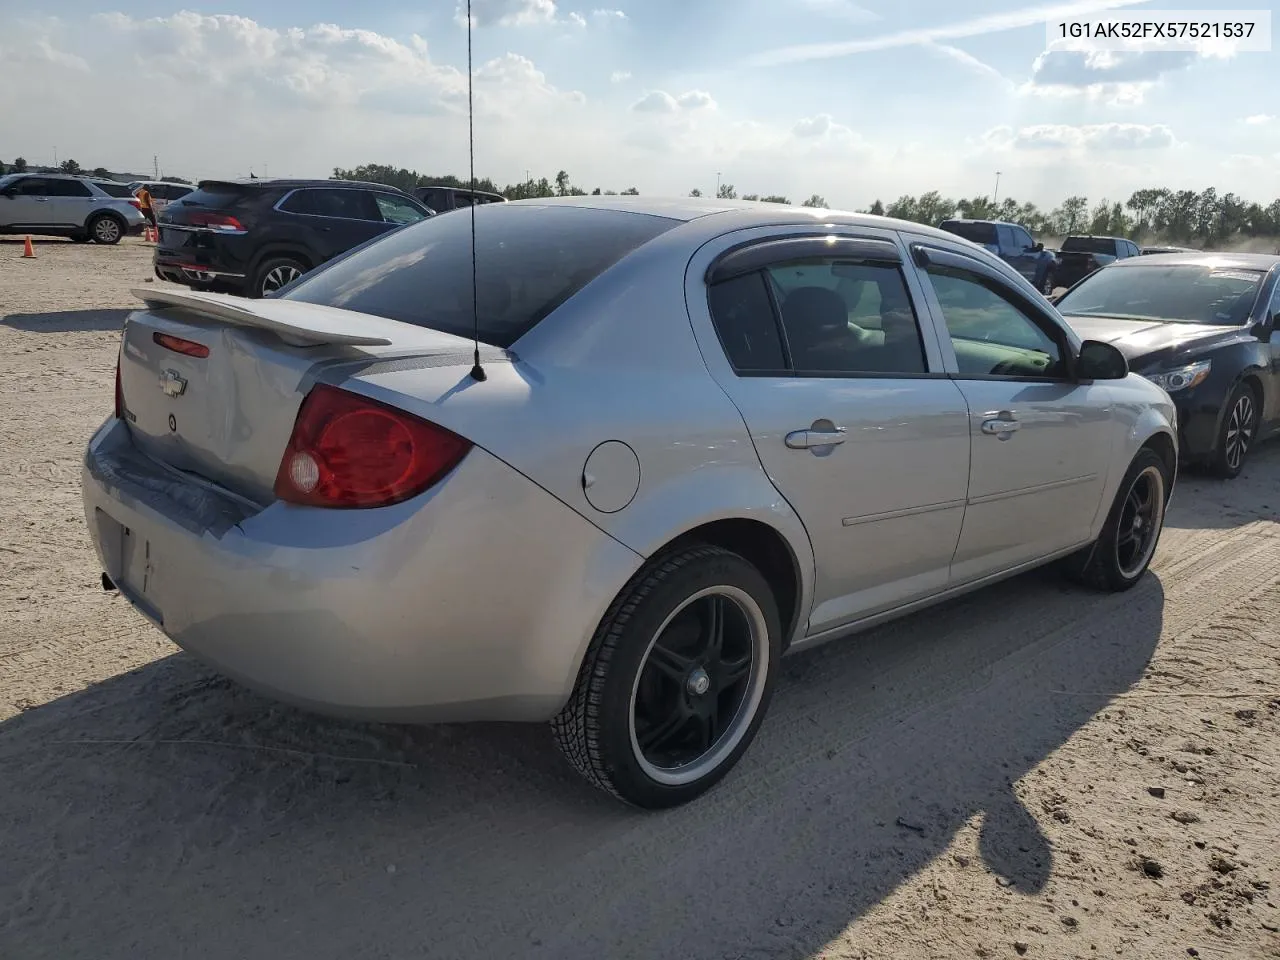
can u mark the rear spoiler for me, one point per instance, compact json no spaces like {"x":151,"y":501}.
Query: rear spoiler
{"x":296,"y":323}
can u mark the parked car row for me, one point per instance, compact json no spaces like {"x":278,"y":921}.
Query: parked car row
{"x":741,"y":430}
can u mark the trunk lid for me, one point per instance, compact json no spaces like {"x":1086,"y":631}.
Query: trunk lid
{"x":228,"y":416}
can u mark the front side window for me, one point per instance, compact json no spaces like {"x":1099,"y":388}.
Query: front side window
{"x":992,"y":336}
{"x":1006,"y":238}
{"x":982,"y":233}
{"x":1022,"y":239}
{"x":397,"y":209}
{"x":32,"y":187}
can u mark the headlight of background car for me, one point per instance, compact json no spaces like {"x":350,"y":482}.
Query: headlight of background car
{"x":1192,"y":375}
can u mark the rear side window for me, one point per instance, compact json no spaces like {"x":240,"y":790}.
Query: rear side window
{"x":174,"y":191}
{"x":529,"y":260}
{"x":343,"y":204}
{"x":113,"y":189}
{"x":68,"y":188}
{"x":973,"y":232}
{"x":744,"y":319}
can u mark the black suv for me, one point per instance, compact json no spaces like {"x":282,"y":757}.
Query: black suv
{"x":444,"y":199}
{"x":254,"y":236}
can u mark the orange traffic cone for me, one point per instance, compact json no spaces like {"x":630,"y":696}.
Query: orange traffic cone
{"x":27,"y":249}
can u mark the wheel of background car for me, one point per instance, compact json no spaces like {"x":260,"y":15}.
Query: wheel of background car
{"x":1236,"y":434}
{"x":1120,"y":556}
{"x":676,"y":680}
{"x":104,"y":228}
{"x":276,"y":272}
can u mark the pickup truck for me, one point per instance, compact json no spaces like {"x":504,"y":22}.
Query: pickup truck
{"x":1080,"y":256}
{"x":1012,"y":244}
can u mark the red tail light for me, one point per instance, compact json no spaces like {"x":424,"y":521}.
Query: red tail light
{"x":119,"y":392}
{"x":350,"y":451}
{"x":221,"y":222}
{"x":136,"y":204}
{"x":179,"y":345}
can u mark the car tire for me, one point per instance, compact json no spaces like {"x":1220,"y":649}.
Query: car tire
{"x":105,"y":229}
{"x":274,"y":273}
{"x":695,"y":706}
{"x":1236,"y":434}
{"x":1122,"y":553}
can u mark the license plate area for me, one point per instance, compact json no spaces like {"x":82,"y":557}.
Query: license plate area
{"x":130,"y":562}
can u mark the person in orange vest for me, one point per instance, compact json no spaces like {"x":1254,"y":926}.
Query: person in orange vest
{"x":148,"y":208}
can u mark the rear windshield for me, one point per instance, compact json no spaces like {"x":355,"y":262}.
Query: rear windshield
{"x":113,"y":189}
{"x":973,"y":232}
{"x":529,"y":260}
{"x":1088,"y":245}
{"x":1183,"y":293}
{"x":216,"y":195}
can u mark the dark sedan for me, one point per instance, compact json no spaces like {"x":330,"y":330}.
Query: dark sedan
{"x":1204,"y":327}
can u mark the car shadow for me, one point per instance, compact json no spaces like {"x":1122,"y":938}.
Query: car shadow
{"x":168,"y":811}
{"x":1203,"y":502}
{"x":66,"y":321}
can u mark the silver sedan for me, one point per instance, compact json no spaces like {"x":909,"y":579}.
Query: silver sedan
{"x":671,"y":442}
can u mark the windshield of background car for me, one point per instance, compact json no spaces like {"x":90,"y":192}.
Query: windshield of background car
{"x":1088,"y":245}
{"x":529,"y":260}
{"x":973,"y":232}
{"x":1182,"y":293}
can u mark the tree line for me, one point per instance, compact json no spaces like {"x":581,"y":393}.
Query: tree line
{"x":73,"y":168}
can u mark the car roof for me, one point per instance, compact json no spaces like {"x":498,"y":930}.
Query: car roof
{"x":288,"y":183}
{"x":737,"y":214}
{"x":1202,"y":258}
{"x":994,"y":223}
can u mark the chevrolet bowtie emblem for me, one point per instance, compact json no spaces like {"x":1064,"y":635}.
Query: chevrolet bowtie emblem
{"x":172,"y":384}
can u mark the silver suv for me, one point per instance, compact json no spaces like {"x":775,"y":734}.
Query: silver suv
{"x":63,"y":206}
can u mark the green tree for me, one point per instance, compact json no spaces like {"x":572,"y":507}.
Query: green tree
{"x":815,"y":200}
{"x":20,"y":165}
{"x":695,"y":192}
{"x":71,"y":167}
{"x":562,"y":183}
{"x":631,"y":192}
{"x":774,"y":198}
{"x":101,"y":172}
{"x":726,"y":192}
{"x":877,"y":209}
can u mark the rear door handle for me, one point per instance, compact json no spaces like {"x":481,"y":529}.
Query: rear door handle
{"x":804,"y":439}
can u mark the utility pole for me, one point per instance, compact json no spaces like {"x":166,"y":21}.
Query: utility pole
{"x":996,"y":196}
{"x":717,"y":184}
{"x":155,"y":167}
{"x":55,"y":158}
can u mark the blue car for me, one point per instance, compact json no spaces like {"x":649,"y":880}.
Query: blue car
{"x":1012,"y":244}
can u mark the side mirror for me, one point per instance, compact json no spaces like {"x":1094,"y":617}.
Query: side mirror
{"x":1037,"y":247}
{"x":1101,"y":361}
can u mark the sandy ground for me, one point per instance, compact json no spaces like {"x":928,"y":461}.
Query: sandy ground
{"x":1033,"y":771}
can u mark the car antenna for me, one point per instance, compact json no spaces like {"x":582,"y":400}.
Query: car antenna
{"x":477,"y":371}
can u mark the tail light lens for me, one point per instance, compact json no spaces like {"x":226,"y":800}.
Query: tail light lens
{"x":218,"y":222}
{"x":136,"y":204}
{"x":178,"y":345}
{"x":119,"y":392}
{"x":349,"y":451}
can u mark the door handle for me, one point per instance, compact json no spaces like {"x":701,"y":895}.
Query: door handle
{"x":1002,"y":425}
{"x":805,"y":439}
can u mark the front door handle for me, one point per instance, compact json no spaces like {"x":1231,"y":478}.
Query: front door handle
{"x":1002,"y":425}
{"x":805,"y":439}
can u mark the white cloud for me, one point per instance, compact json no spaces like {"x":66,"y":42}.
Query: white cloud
{"x":508,"y":13}
{"x":840,"y":10}
{"x":619,"y":76}
{"x":966,"y":60}
{"x":609,"y":14}
{"x":659,"y":101}
{"x":977,"y":26}
{"x":1088,"y":137}
{"x":1259,"y":119}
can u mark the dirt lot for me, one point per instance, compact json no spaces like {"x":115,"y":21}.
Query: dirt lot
{"x":1035,"y":770}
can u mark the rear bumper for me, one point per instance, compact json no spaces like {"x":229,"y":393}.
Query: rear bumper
{"x":441,"y":608}
{"x":199,"y":258}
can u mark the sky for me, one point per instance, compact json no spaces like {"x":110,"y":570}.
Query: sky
{"x":851,"y":99}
